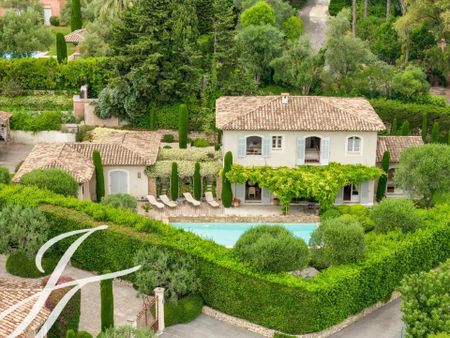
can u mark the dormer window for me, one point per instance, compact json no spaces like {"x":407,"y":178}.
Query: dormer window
{"x":354,"y":145}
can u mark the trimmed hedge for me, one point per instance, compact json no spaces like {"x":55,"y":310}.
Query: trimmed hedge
{"x":21,"y":266}
{"x":183,"y":311}
{"x":36,"y":122}
{"x":280,"y":301}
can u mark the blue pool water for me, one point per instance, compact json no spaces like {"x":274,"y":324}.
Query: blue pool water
{"x":227,"y":234}
{"x":18,"y":55}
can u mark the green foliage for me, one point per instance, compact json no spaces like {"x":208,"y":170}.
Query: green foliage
{"x":37,"y":102}
{"x":385,"y":42}
{"x":405,"y":129}
{"x":83,"y":133}
{"x":197,"y":182}
{"x":99,"y":175}
{"x":435,"y":134}
{"x":382,"y":182}
{"x":5,"y":177}
{"x":337,"y":5}
{"x":127,"y":331}
{"x":168,"y":138}
{"x":424,"y":129}
{"x":54,"y":21}
{"x":79,"y":334}
{"x":61,"y":48}
{"x":163,"y":269}
{"x":425,"y":302}
{"x":394,"y":214}
{"x":56,"y":180}
{"x":293,"y":27}
{"x":125,"y":201}
{"x":76,"y":22}
{"x":329,"y":214}
{"x":174,"y":185}
{"x":36,"y":122}
{"x":23,"y":230}
{"x":319,"y":183}
{"x":183,"y":121}
{"x":394,"y":127}
{"x":361,"y":213}
{"x":19,"y":265}
{"x":338,"y":241}
{"x":227,"y":193}
{"x":272,"y":249}
{"x":439,"y":335}
{"x":185,"y":168}
{"x":183,"y":311}
{"x":423,"y":171}
{"x":259,"y":14}
{"x":200,"y":143}
{"x":410,"y":83}
{"x":106,"y":304}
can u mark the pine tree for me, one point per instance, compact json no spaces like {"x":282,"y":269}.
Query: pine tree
{"x":382,"y":182}
{"x":99,"y":175}
{"x":435,"y":133}
{"x":107,"y":304}
{"x":424,"y":127}
{"x":405,"y":129}
{"x":174,"y":182}
{"x":205,"y":12}
{"x":394,"y":127}
{"x":197,"y":182}
{"x":76,"y":21}
{"x":61,"y":48}
{"x":183,"y":118}
{"x":227,"y":193}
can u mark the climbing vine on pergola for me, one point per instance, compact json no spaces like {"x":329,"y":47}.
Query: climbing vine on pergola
{"x":321,"y":183}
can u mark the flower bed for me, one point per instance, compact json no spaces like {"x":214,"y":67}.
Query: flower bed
{"x":278,"y":301}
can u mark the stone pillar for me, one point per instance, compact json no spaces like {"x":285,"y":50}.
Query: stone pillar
{"x":152,"y":186}
{"x":159,"y":294}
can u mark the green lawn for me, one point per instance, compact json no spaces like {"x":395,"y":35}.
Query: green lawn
{"x":60,"y":29}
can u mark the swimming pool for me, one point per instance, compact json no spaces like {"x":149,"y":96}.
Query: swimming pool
{"x":227,"y":234}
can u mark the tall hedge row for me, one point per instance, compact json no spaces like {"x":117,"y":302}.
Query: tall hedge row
{"x":48,"y":74}
{"x":279,"y":301}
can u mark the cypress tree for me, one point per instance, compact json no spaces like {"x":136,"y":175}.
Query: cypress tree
{"x":197,"y":182}
{"x":99,"y":176}
{"x":424,"y":127}
{"x":107,"y":304}
{"x":435,"y":133}
{"x":76,"y":22}
{"x":405,"y":130}
{"x":174,"y":182}
{"x":382,"y":182}
{"x":183,"y":118}
{"x":448,"y":136}
{"x":61,"y":48}
{"x":227,"y":193}
{"x":394,"y":127}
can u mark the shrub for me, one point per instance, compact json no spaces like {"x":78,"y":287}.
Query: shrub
{"x":197,"y":182}
{"x":107,"y":303}
{"x":127,"y":331}
{"x":174,"y":182}
{"x":272,"y":248}
{"x":36,"y":122}
{"x":19,"y":265}
{"x":360,"y":213}
{"x":425,"y":302}
{"x":120,"y":201}
{"x":76,"y":22}
{"x":83,"y":133}
{"x":227,"y":193}
{"x":394,"y":127}
{"x":69,"y":319}
{"x":405,"y":129}
{"x":183,"y":120}
{"x":61,"y":48}
{"x":329,"y":214}
{"x":79,"y":334}
{"x":200,"y":143}
{"x":184,"y":311}
{"x":382,"y":181}
{"x":168,"y":138}
{"x":54,"y":21}
{"x":395,"y":214}
{"x":56,"y":180}
{"x":175,"y":273}
{"x":99,"y":175}
{"x":5,"y":177}
{"x":435,"y":134}
{"x":260,"y":13}
{"x":338,"y":241}
{"x":24,"y":230}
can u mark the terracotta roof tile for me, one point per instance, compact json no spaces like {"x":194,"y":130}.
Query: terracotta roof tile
{"x":312,"y":113}
{"x":395,"y":145}
{"x":76,"y":36}
{"x":4,"y":116}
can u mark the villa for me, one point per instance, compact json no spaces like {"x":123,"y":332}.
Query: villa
{"x":288,"y":131}
{"x":51,"y":8}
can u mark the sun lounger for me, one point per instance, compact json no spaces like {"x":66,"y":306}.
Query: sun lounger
{"x":167,"y":201}
{"x":152,"y":200}
{"x":191,"y":199}
{"x":210,"y":199}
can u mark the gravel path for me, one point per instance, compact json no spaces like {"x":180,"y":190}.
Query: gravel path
{"x":315,"y":16}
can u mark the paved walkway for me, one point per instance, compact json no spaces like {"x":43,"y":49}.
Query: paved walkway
{"x":315,"y":16}
{"x":12,"y":154}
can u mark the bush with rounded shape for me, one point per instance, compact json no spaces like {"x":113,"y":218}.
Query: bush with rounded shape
{"x":79,"y":334}
{"x":338,"y":241}
{"x":56,"y":180}
{"x":127,"y":331}
{"x":19,"y":265}
{"x":54,"y":21}
{"x":260,"y":13}
{"x":5,"y":177}
{"x":125,"y":201}
{"x":329,"y":214}
{"x":293,"y":27}
{"x":395,"y":214}
{"x":183,"y":311}
{"x":272,"y":248}
{"x":200,"y":143}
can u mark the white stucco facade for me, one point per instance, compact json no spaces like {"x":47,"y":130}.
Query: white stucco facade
{"x":126,"y":179}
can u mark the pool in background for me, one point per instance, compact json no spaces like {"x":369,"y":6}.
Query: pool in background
{"x":227,"y":234}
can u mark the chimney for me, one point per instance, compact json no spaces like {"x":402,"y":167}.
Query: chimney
{"x":285,"y":98}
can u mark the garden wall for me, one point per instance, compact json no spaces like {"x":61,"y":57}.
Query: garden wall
{"x":29,"y":137}
{"x":278,"y":301}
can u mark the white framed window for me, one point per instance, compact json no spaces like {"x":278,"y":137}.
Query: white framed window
{"x":254,"y":145}
{"x":277,"y":142}
{"x":354,"y":144}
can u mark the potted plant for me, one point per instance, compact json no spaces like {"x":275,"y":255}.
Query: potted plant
{"x":236,"y":202}
{"x":146,"y":207}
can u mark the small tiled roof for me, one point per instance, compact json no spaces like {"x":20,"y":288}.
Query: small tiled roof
{"x":13,"y":291}
{"x":4,"y":116}
{"x":395,"y":145}
{"x":76,"y":36}
{"x":309,"y":113}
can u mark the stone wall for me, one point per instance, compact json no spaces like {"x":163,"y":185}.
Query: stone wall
{"x":29,"y":137}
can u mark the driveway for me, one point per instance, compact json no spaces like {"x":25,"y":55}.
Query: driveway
{"x":11,"y":154}
{"x":315,"y":16}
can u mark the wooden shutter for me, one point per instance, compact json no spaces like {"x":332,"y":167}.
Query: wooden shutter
{"x":240,"y":191}
{"x":266,"y":146}
{"x":364,"y":192}
{"x":324,"y":150}
{"x":300,"y":150}
{"x":241,"y":147}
